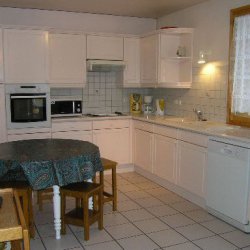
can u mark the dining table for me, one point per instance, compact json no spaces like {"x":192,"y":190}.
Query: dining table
{"x":48,"y":163}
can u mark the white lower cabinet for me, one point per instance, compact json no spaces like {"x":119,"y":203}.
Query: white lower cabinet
{"x":165,"y":157}
{"x":191,"y":167}
{"x":143,"y":149}
{"x":3,"y":130}
{"x":114,"y":144}
{"x":29,"y":136}
{"x":73,"y":135}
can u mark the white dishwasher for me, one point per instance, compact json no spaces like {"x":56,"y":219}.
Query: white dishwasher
{"x":227,"y":182}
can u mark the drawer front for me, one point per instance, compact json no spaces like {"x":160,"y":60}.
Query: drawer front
{"x":166,"y":131}
{"x":194,"y":138}
{"x":71,"y":126}
{"x":106,"y":124}
{"x":144,"y":126}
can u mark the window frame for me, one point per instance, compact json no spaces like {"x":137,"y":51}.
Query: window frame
{"x":231,"y":117}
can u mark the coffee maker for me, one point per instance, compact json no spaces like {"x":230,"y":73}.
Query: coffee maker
{"x":147,"y":106}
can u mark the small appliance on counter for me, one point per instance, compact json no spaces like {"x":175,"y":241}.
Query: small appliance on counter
{"x":147,"y":106}
{"x":160,"y":106}
{"x":135,"y":103}
{"x":66,"y":107}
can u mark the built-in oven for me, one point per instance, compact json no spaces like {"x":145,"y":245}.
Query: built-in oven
{"x":27,"y":106}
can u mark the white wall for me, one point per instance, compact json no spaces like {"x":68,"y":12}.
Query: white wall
{"x":211,"y":22}
{"x":76,"y":21}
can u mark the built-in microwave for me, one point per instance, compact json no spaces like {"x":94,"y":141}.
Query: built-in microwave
{"x":66,"y":107}
{"x":27,"y":106}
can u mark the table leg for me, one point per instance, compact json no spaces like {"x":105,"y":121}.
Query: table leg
{"x":57,"y":211}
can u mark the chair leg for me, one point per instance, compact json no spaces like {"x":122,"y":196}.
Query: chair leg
{"x":63,"y":207}
{"x":31,"y":217}
{"x":100,"y":205}
{"x":86,"y":217}
{"x":114,"y":189}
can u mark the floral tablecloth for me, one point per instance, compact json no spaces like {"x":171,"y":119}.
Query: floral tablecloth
{"x":48,"y":162}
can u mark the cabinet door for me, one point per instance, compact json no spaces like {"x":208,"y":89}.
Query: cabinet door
{"x":1,"y":55}
{"x":191,"y":167}
{"x":143,"y":149}
{"x":104,"y":47}
{"x":165,"y":157}
{"x":67,"y":59}
{"x":132,"y":59}
{"x":3,"y":130}
{"x":149,"y":60}
{"x":18,"y":137}
{"x":114,"y":144}
{"x":25,"y":56}
{"x":74,"y":135}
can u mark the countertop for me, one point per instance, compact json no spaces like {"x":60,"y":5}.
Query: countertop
{"x":209,"y":128}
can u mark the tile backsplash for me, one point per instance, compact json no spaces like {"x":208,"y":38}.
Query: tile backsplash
{"x":104,"y":94}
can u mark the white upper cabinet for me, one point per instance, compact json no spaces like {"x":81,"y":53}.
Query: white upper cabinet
{"x":67,"y":60}
{"x":1,"y":55}
{"x":149,"y":60}
{"x":104,"y":47}
{"x":132,"y":60}
{"x":25,"y":56}
{"x":166,"y":58}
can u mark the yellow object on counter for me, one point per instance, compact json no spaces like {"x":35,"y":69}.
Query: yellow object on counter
{"x":135,"y":103}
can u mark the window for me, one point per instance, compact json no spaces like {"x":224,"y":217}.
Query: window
{"x":239,"y":67}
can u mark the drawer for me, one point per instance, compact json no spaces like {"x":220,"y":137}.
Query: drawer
{"x":71,"y":126}
{"x":194,"y":138}
{"x":166,"y":131}
{"x":106,"y":124}
{"x":144,"y":126}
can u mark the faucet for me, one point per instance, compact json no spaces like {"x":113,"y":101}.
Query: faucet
{"x":199,"y":114}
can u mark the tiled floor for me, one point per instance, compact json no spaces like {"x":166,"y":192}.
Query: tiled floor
{"x":148,"y":217}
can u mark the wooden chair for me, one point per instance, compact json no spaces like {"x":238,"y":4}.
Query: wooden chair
{"x":82,"y":215}
{"x":12,"y":222}
{"x":24,"y":193}
{"x":107,"y":197}
{"x":44,"y":194}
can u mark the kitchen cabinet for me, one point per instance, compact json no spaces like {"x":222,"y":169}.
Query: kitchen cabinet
{"x":3,"y":130}
{"x":166,"y":58}
{"x":143,"y":145}
{"x":113,"y":139}
{"x":1,"y":55}
{"x":29,"y":136}
{"x":72,"y":129}
{"x":104,"y":47}
{"x":165,"y":153}
{"x":67,"y":60}
{"x":25,"y":56}
{"x":192,"y":156}
{"x":132,"y":60}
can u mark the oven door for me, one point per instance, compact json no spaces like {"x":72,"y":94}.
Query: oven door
{"x":28,"y":110}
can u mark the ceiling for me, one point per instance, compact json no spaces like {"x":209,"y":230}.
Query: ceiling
{"x":135,"y":8}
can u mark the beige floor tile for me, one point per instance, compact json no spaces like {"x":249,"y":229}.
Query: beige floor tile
{"x":151,"y":225}
{"x":114,"y":219}
{"x":128,"y":188}
{"x":157,"y":191}
{"x":194,"y":232}
{"x":48,"y":230}
{"x":36,"y":244}
{"x":149,"y":202}
{"x":122,"y":197}
{"x":122,"y":182}
{"x":184,"y":246}
{"x":215,"y":242}
{"x":169,"y":198}
{"x":127,"y":205}
{"x":200,"y":215}
{"x":137,"y":215}
{"x":123,"y":231}
{"x":137,"y":194}
{"x":237,"y":238}
{"x":177,"y":220}
{"x":167,"y":238}
{"x":218,"y":226}
{"x":185,"y":206}
{"x":95,"y":236}
{"x":111,"y":245}
{"x":141,"y":242}
{"x":147,"y":185}
{"x":164,"y":210}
